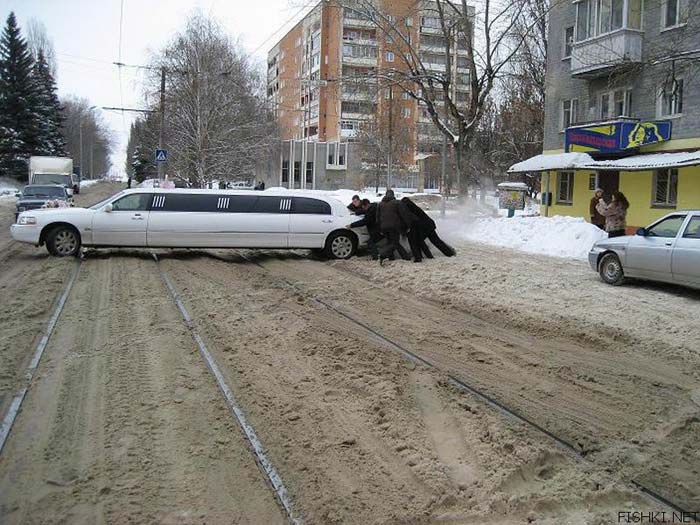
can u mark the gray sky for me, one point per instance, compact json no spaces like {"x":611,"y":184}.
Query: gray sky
{"x":85,"y":34}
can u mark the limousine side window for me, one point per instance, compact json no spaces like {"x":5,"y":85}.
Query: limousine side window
{"x":267,"y":205}
{"x":133,"y":202}
{"x":191,"y":202}
{"x":307,"y":206}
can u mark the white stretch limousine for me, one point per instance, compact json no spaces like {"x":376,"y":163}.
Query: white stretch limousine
{"x":159,"y":218}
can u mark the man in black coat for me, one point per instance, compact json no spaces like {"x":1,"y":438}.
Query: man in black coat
{"x":425,"y":227}
{"x":369,"y":220}
{"x":356,"y":205}
{"x":394,"y":218}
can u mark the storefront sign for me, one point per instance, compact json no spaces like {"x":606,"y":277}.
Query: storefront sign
{"x":613,"y":137}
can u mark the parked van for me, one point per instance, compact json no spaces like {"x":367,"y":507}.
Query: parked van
{"x":184,"y":218}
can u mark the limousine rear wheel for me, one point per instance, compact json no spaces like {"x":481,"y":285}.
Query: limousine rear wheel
{"x":63,"y":241}
{"x":340,"y":245}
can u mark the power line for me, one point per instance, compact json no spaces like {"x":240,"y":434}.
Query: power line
{"x":308,"y":4}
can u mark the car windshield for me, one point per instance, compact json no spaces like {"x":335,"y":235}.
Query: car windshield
{"x":51,"y":178}
{"x":55,"y":192}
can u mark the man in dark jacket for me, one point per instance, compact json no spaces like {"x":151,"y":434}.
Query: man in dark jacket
{"x":424,"y":227}
{"x":369,"y":220}
{"x":356,"y":205}
{"x":393,"y":219}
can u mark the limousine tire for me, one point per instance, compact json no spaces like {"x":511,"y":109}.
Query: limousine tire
{"x":341,"y":245}
{"x":63,"y":241}
{"x":610,"y":269}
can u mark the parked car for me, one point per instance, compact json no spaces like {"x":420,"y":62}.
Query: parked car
{"x":667,"y":251}
{"x":159,"y":218}
{"x":41,"y":195}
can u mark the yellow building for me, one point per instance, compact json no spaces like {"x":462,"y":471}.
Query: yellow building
{"x":660,"y":177}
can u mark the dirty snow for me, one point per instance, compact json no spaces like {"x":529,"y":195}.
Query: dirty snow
{"x":554,"y":236}
{"x":8,"y":188}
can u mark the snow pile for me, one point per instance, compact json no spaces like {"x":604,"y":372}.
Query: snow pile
{"x":88,"y":183}
{"x":554,"y":236}
{"x":8,"y":188}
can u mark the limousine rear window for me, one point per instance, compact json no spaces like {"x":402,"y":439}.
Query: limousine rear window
{"x":304,"y":205}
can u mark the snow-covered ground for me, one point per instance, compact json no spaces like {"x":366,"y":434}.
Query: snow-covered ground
{"x":88,"y":183}
{"x":554,"y":236}
{"x":8,"y":188}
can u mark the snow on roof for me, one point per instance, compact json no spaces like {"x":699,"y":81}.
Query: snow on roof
{"x":651,"y":161}
{"x":513,"y":185}
{"x":583,"y":161}
{"x":558,"y":161}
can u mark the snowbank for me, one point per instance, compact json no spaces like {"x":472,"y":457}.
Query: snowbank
{"x":554,"y":236}
{"x":8,"y":188}
{"x":88,"y":183}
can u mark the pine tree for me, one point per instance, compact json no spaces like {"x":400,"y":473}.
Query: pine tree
{"x":19,"y":120}
{"x":49,"y":108}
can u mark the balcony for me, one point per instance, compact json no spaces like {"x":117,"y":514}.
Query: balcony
{"x":599,"y":55}
{"x":360,"y":61}
{"x":362,"y":23}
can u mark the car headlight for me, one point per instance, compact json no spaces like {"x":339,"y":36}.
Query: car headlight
{"x":21,"y":208}
{"x":27,"y":220}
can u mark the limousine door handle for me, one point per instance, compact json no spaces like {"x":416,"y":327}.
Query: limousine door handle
{"x":327,"y":220}
{"x":137,"y":217}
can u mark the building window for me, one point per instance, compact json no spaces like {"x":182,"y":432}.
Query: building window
{"x":389,"y":56}
{"x":285,"y":171}
{"x":634,"y":14}
{"x":565,"y":187}
{"x":297,"y":171}
{"x":406,"y":113}
{"x":617,"y":103}
{"x":671,"y":13}
{"x":309,"y":173}
{"x":409,"y":21}
{"x":597,"y":17}
{"x":671,"y":99}
{"x":569,"y":112}
{"x":665,"y":187}
{"x":405,"y":95}
{"x":593,"y":181}
{"x":568,"y":41}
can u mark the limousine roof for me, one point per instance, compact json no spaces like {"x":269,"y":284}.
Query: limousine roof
{"x":333,"y":201}
{"x":268,"y":193}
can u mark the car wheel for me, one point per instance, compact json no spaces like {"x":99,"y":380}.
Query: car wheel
{"x":340,"y":245}
{"x":63,"y":241}
{"x":610,"y":269}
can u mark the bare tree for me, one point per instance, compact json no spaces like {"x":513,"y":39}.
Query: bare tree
{"x":83,"y":124}
{"x":38,"y":40}
{"x":217,"y":125}
{"x":479,"y":44}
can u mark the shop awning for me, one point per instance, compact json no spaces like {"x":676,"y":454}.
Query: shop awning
{"x":558,"y":161}
{"x":583,"y":161}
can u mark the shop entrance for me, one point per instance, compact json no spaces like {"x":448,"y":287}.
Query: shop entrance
{"x":608,"y":181}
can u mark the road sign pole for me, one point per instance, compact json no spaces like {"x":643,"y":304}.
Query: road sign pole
{"x":161,"y":165}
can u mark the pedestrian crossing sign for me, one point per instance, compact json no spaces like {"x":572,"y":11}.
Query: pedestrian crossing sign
{"x":161,"y":155}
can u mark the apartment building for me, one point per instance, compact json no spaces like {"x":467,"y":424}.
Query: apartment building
{"x":325,"y":87}
{"x":622,"y":107}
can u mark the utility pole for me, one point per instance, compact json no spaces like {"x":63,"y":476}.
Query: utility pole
{"x":161,"y":166}
{"x":443,"y":168}
{"x":80,"y":133}
{"x":391,"y":132}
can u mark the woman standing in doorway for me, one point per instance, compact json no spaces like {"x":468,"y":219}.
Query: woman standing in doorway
{"x":615,"y":214}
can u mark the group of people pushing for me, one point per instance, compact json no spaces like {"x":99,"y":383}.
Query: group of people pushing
{"x":391,"y":218}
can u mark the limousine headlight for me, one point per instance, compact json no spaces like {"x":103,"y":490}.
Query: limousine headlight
{"x":27,"y":220}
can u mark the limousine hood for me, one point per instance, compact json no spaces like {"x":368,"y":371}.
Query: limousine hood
{"x":48,"y":214}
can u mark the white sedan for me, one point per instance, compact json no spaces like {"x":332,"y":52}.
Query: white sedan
{"x":667,"y":251}
{"x":159,"y":218}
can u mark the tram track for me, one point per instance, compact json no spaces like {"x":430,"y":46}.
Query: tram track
{"x":465,"y":385}
{"x":10,"y":415}
{"x":251,"y":436}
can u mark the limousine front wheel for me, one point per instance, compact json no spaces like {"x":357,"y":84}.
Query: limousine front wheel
{"x":63,"y":241}
{"x":340,"y":245}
